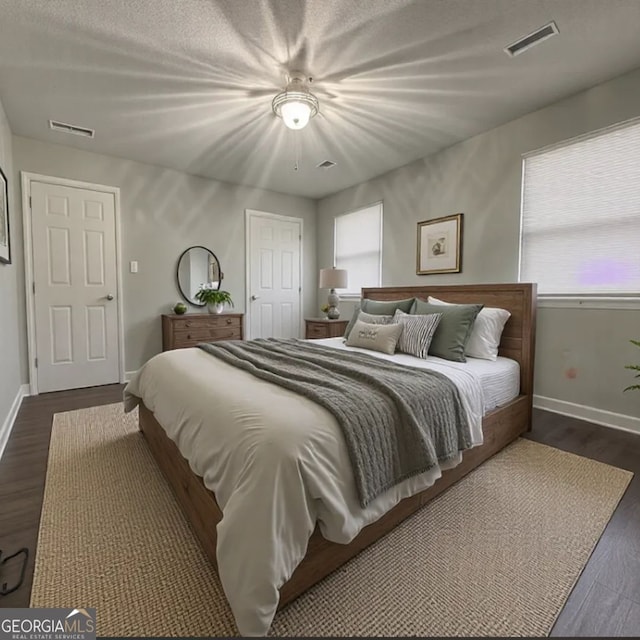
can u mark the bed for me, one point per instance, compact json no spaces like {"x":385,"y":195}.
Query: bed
{"x":499,"y":426}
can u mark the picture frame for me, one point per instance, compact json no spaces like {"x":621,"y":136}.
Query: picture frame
{"x":440,"y":245}
{"x":5,"y":239}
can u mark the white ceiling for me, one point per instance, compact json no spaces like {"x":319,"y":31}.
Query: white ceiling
{"x":188,"y":84}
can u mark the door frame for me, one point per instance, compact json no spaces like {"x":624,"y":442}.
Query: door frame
{"x":248,"y":214}
{"x":26,"y":179}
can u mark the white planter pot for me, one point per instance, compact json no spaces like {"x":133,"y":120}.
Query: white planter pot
{"x":215,"y":307}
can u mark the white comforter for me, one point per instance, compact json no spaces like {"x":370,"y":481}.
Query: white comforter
{"x":277,"y":463}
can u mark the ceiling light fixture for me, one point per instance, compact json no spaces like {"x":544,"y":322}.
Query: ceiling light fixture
{"x":296,"y":105}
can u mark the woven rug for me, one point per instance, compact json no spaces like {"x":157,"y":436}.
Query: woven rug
{"x":497,"y":554}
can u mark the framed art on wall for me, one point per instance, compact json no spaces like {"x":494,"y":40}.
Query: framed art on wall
{"x":5,"y":246}
{"x":440,"y":245}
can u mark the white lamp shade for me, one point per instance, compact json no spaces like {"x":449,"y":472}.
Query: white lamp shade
{"x":333,"y":279}
{"x":295,"y":114}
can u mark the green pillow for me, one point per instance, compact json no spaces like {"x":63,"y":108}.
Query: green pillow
{"x":378,"y":308}
{"x":454,"y":329}
{"x":386,"y":307}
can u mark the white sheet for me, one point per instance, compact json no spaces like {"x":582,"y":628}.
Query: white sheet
{"x":277,"y":463}
{"x":500,"y":380}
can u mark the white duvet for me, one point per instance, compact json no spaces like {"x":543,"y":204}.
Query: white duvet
{"x":277,"y":463}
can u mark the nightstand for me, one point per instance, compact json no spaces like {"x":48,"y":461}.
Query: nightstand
{"x":324,"y":328}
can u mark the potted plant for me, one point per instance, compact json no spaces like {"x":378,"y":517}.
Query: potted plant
{"x":634,"y":367}
{"x":213,"y":298}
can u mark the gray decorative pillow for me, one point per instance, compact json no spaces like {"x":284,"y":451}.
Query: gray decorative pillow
{"x":417,"y":333}
{"x":379,"y":308}
{"x":371,"y":318}
{"x":377,"y":337}
{"x":453,"y":331}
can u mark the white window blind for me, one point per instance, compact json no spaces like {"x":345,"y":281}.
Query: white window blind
{"x":581,"y":216}
{"x":358,"y":247}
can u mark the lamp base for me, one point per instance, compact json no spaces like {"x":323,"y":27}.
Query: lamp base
{"x":333,"y":300}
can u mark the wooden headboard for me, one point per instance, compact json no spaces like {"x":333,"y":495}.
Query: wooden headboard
{"x":519,"y":335}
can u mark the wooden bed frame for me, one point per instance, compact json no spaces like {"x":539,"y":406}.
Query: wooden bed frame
{"x":500,"y":427}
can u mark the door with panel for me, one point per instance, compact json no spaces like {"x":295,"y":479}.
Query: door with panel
{"x":274,"y":269}
{"x":75,"y":287}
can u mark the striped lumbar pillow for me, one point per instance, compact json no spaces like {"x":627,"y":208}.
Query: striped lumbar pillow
{"x":417,"y":333}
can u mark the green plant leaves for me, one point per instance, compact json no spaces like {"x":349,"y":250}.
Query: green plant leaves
{"x":634,"y":367}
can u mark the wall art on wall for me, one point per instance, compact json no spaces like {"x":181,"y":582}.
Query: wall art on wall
{"x":440,"y":245}
{"x":5,"y":246}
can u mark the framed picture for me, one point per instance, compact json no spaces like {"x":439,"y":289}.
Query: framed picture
{"x":440,"y":245}
{"x":5,"y":246}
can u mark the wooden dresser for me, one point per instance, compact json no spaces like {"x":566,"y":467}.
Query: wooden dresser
{"x":324,"y":328}
{"x":179,"y":331}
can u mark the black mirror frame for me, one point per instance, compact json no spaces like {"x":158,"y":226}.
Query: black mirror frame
{"x":197,"y":246}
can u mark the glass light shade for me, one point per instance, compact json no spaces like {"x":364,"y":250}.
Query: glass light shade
{"x":295,"y":114}
{"x":295,"y":105}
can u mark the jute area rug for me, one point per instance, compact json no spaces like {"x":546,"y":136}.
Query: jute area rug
{"x":497,"y":554}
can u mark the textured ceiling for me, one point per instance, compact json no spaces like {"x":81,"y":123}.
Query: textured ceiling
{"x":188,"y":84}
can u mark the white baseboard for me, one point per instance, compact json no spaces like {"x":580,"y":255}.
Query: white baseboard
{"x":129,"y":374}
{"x":7,"y":426}
{"x":590,"y":414}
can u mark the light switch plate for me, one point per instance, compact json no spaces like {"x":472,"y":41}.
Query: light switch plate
{"x":133,"y":266}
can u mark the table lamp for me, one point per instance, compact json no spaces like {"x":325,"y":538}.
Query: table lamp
{"x":333,"y":279}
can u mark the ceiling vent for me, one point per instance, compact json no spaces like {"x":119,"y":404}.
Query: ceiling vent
{"x":71,"y":128}
{"x":532,"y":39}
{"x":327,"y":164}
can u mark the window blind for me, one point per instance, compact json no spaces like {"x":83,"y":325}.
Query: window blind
{"x":358,"y":247}
{"x":581,"y":216}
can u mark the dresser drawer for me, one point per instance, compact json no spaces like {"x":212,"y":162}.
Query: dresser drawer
{"x":204,"y":334}
{"x":212,"y":321}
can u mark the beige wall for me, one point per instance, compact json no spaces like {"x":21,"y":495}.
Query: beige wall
{"x":481,"y":177}
{"x":162,"y":213}
{"x":10,"y":330}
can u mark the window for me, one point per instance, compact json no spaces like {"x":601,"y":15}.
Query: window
{"x":581,"y":216}
{"x":358,"y":247}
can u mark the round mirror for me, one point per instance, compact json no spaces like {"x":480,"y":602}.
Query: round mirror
{"x":197,"y":266}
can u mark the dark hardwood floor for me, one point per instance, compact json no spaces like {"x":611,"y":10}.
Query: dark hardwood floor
{"x":604,"y":602}
{"x":22,"y":472}
{"x":606,"y":599}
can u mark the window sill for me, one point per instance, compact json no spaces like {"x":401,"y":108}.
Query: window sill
{"x":578,"y":302}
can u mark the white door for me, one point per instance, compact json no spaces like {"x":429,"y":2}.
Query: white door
{"x":74,"y":269}
{"x":274,"y":290}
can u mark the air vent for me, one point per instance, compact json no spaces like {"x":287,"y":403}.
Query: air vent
{"x":71,"y":128}
{"x":532,"y":39}
{"x":327,"y":164}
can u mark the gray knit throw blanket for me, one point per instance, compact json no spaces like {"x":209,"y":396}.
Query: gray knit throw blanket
{"x":397,"y":421}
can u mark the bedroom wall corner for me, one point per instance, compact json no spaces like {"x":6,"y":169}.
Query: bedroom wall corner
{"x":163,"y":212}
{"x":481,"y":177}
{"x":12,"y":329}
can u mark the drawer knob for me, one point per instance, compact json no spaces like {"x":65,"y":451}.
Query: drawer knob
{"x":188,"y":336}
{"x":187,"y":324}
{"x":228,"y":320}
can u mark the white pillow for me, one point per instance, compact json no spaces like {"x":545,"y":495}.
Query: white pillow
{"x":486,"y":332}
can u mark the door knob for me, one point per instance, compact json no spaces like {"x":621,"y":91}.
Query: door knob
{"x":254,"y":298}
{"x":109,"y":296}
